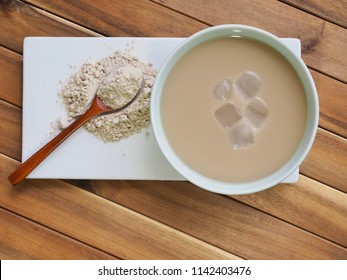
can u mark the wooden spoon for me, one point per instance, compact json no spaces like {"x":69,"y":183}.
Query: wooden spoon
{"x":96,"y":108}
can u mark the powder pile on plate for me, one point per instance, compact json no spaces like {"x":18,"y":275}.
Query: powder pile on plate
{"x":82,"y":86}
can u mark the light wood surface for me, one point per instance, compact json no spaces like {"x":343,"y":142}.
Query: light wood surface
{"x":102,"y":219}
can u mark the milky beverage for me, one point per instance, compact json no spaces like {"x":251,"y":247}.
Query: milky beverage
{"x":265,"y":126}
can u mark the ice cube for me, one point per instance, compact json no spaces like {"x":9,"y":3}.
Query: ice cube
{"x":222,"y":90}
{"x":228,"y":115}
{"x":256,"y":112}
{"x":240,"y":135}
{"x":247,"y":85}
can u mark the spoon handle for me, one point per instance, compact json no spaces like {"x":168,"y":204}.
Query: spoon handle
{"x":31,"y":163}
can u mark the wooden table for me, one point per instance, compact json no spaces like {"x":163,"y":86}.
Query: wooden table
{"x":82,"y":219}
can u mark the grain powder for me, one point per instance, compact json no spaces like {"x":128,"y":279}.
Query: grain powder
{"x":80,"y":89}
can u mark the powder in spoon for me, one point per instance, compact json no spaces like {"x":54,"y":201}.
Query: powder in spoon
{"x":78,"y":92}
{"x":120,"y":86}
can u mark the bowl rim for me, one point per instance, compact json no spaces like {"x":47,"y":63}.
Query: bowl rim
{"x":231,"y":188}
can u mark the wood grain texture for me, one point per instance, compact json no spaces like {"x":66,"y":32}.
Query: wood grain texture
{"x":15,"y":17}
{"x":217,"y":219}
{"x":23,"y":239}
{"x":10,"y":127}
{"x":323,"y":43}
{"x":331,"y":10}
{"x":307,"y":204}
{"x":99,"y":222}
{"x":327,"y":160}
{"x":332,"y":96}
{"x":11,"y":75}
{"x":137,"y":18}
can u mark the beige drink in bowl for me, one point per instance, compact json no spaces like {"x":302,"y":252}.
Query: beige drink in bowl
{"x":234,"y":110}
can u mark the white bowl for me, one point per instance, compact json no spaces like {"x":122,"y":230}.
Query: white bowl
{"x":226,"y":187}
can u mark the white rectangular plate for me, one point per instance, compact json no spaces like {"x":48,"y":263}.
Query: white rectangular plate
{"x":48,"y":63}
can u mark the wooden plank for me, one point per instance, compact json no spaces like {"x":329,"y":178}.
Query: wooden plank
{"x":217,"y":219}
{"x":323,"y":43}
{"x":11,"y":76}
{"x":137,"y":18}
{"x":327,"y":160}
{"x":15,"y":16}
{"x":323,"y":210}
{"x":99,"y":222}
{"x":333,"y":10}
{"x":23,"y":239}
{"x":10,"y":127}
{"x":332,"y":102}
{"x":111,"y":19}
